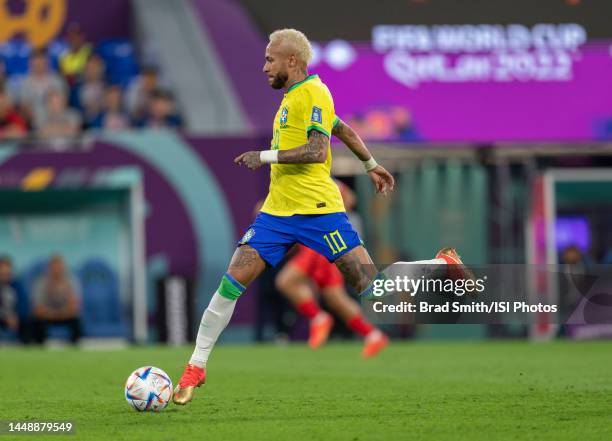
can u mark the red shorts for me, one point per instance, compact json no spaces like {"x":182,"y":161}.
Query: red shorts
{"x":317,"y":267}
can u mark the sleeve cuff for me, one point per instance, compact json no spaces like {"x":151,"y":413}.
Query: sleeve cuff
{"x":318,"y":129}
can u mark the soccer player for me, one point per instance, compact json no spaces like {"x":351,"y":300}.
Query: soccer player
{"x":307,"y":268}
{"x":303,"y":204}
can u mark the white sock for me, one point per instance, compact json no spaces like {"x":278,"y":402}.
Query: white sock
{"x":411,"y":270}
{"x":214,"y":320}
{"x":424,"y":262}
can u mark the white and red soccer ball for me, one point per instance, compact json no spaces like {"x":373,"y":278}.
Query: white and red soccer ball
{"x":148,"y":389}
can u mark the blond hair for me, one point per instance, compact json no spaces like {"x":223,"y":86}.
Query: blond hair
{"x":296,"y":41}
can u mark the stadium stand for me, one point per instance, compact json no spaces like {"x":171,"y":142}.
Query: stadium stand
{"x":95,"y":73}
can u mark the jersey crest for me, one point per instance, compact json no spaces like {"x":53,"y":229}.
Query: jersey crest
{"x":317,"y":115}
{"x":247,"y":236}
{"x":283,"y":116}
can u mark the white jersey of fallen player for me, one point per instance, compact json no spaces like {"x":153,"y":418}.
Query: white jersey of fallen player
{"x":148,"y":389}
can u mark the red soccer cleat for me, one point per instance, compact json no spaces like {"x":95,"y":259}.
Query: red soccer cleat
{"x":374,"y":342}
{"x":320,"y":327}
{"x":456,"y":268}
{"x":192,"y":377}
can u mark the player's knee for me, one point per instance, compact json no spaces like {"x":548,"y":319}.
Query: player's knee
{"x":281,"y":281}
{"x":246,"y":265}
{"x":333,"y":294}
{"x":286,"y":279}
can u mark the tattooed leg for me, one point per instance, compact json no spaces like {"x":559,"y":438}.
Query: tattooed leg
{"x":357,"y":268}
{"x":246,"y":265}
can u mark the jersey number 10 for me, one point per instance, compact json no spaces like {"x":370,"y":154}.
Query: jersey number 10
{"x":335,"y":242}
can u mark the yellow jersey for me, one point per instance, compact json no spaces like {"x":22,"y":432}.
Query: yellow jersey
{"x":73,"y":63}
{"x":303,"y":188}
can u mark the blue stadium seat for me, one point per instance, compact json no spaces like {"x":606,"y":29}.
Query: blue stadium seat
{"x":16,"y":54}
{"x":101,"y":306}
{"x":55,"y":49}
{"x":118,"y":55}
{"x":120,"y":60}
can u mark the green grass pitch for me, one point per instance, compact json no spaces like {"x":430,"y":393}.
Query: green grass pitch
{"x":422,"y":391}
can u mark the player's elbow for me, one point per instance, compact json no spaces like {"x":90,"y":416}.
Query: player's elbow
{"x":321,"y":155}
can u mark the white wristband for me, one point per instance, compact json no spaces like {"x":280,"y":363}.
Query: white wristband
{"x":370,"y":164}
{"x":268,"y":156}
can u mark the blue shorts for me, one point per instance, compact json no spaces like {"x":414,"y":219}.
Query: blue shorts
{"x":331,"y":235}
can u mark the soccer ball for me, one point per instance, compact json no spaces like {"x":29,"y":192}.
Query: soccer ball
{"x":148,"y":389}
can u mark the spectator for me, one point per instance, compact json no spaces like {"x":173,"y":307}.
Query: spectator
{"x":91,"y":89}
{"x":12,"y":124}
{"x":112,"y":117}
{"x":37,"y":85}
{"x":402,"y":120}
{"x":9,"y":83}
{"x":56,"y":301}
{"x":8,"y":296}
{"x":58,"y":121}
{"x":161,"y":111}
{"x":74,"y":60}
{"x":139,"y":92}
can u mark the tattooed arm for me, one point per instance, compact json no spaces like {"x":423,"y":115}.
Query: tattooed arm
{"x":313,"y":152}
{"x":352,"y":140}
{"x":383,"y":180}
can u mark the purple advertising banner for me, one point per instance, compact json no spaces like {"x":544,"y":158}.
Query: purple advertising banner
{"x":472,"y":83}
{"x":102,"y":20}
{"x":99,"y":20}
